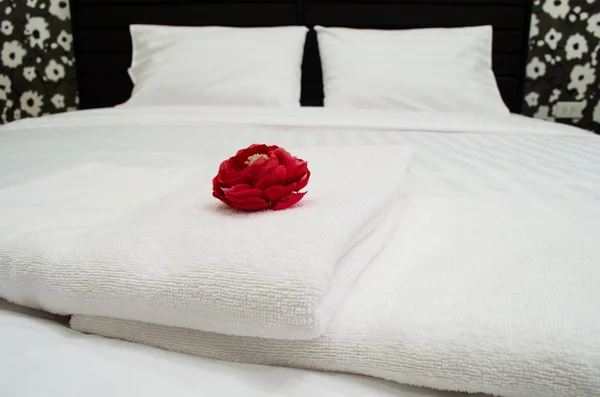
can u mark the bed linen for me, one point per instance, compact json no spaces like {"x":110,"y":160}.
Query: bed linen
{"x":43,"y":357}
{"x":490,"y":160}
{"x":176,"y":256}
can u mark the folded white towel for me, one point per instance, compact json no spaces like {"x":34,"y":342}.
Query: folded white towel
{"x":469,"y":295}
{"x":183,"y":259}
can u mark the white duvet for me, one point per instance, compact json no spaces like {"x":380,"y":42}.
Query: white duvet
{"x":487,"y":285}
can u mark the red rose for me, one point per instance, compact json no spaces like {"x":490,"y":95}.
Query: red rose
{"x":261,"y":177}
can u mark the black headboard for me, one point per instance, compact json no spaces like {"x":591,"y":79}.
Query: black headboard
{"x":103,"y":46}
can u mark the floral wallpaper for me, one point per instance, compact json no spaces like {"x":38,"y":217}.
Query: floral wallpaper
{"x":37,"y":74}
{"x":564,"y":42}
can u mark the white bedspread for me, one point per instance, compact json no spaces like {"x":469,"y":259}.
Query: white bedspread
{"x":449,"y":309}
{"x":161,"y":249}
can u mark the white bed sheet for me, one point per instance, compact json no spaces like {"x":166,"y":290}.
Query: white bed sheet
{"x":41,"y":356}
{"x":473,"y":156}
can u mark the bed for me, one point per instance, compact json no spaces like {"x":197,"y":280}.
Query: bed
{"x":487,"y":283}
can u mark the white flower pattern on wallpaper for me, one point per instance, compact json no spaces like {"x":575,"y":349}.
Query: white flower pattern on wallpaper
{"x":576,"y":46}
{"x":36,"y":30}
{"x":535,"y":68}
{"x":581,"y":77}
{"x":58,"y":101}
{"x":552,"y":38}
{"x":31,"y":103}
{"x":7,"y":28}
{"x":54,"y":71}
{"x":29,"y":73}
{"x":5,"y":87}
{"x":60,"y":9}
{"x":12,"y":54}
{"x":554,"y":96}
{"x":557,"y":9}
{"x":564,"y":43}
{"x":532,"y":98}
{"x":65,"y":40}
{"x":593,"y":25}
{"x":534,"y":28}
{"x":37,"y":74}
{"x":596,"y":116}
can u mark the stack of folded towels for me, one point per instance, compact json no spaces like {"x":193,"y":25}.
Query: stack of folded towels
{"x":456,"y":294}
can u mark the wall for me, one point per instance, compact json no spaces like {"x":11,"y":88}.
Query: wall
{"x":563,"y":60}
{"x":37,"y":74}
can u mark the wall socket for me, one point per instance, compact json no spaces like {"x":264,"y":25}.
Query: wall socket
{"x":568,"y":110}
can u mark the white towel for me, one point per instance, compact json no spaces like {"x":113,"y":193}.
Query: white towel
{"x":470,"y":295}
{"x":180,"y":258}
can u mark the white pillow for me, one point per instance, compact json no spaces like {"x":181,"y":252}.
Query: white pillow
{"x":440,"y":69}
{"x":218,"y":66}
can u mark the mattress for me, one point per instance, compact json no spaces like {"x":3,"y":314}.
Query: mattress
{"x":41,"y":356}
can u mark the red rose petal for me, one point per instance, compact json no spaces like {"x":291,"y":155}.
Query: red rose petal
{"x":246,"y":179}
{"x":277,"y":192}
{"x":296,"y":171}
{"x":289,"y":201}
{"x":248,"y":200}
{"x":259,"y":163}
{"x":223,"y":199}
{"x":284,"y":157}
{"x":275,"y":177}
{"x":256,"y":166}
{"x":303,"y":181}
{"x":250,"y":151}
{"x":233,"y":177}
{"x":260,"y":167}
{"x":238,"y":188}
{"x":230,"y":164}
{"x":242,"y":194}
{"x":217,"y":190}
{"x":242,"y":155}
{"x":252,"y":205}
{"x":224,"y":164}
{"x":268,"y":167}
{"x":221,"y":178}
{"x":296,"y":168}
{"x":218,"y":193}
{"x":229,"y":176}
